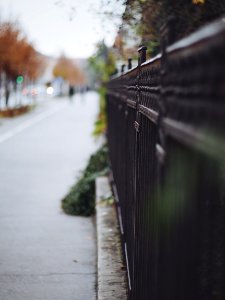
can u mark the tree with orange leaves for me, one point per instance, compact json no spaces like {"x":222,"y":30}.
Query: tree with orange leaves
{"x":66,"y":69}
{"x":17,"y":56}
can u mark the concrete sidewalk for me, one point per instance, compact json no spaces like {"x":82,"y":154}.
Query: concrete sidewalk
{"x":45,"y":254}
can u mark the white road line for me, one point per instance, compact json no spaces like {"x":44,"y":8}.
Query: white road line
{"x":28,"y":124}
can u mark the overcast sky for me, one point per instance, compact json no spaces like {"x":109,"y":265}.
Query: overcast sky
{"x":70,"y":26}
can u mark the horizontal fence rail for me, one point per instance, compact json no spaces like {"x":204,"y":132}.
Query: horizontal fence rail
{"x":166,"y":125}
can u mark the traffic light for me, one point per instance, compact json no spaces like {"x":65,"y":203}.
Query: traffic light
{"x":19,"y":79}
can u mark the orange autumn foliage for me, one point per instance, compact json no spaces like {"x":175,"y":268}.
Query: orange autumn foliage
{"x":17,"y":55}
{"x":67,"y":69}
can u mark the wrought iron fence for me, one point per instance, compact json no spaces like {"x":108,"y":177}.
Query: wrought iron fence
{"x":166,"y":125}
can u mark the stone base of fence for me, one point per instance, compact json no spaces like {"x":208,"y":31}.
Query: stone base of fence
{"x":111,"y":271}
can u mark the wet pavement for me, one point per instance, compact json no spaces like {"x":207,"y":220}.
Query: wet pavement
{"x":45,"y":254}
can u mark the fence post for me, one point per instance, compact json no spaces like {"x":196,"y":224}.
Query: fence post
{"x":129,"y":63}
{"x":142,"y":58}
{"x":168,"y":36}
{"x":123,"y":68}
{"x":142,"y":54}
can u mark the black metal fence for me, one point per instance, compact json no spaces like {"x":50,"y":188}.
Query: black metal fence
{"x":166,"y":125}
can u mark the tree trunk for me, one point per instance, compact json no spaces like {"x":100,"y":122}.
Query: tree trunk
{"x":7,"y":93}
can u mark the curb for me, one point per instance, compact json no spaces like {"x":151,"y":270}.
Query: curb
{"x":111,"y":271}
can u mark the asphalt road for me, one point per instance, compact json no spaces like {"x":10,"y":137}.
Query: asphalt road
{"x":45,"y":254}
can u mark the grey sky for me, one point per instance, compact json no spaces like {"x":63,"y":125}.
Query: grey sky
{"x":69,"y":26}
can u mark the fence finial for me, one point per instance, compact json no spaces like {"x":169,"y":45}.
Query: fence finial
{"x":123,"y":68}
{"x":142,"y":54}
{"x":129,"y":63}
{"x":168,"y":32}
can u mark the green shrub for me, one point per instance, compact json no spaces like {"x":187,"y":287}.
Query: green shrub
{"x":81,"y":198}
{"x":101,"y":122}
